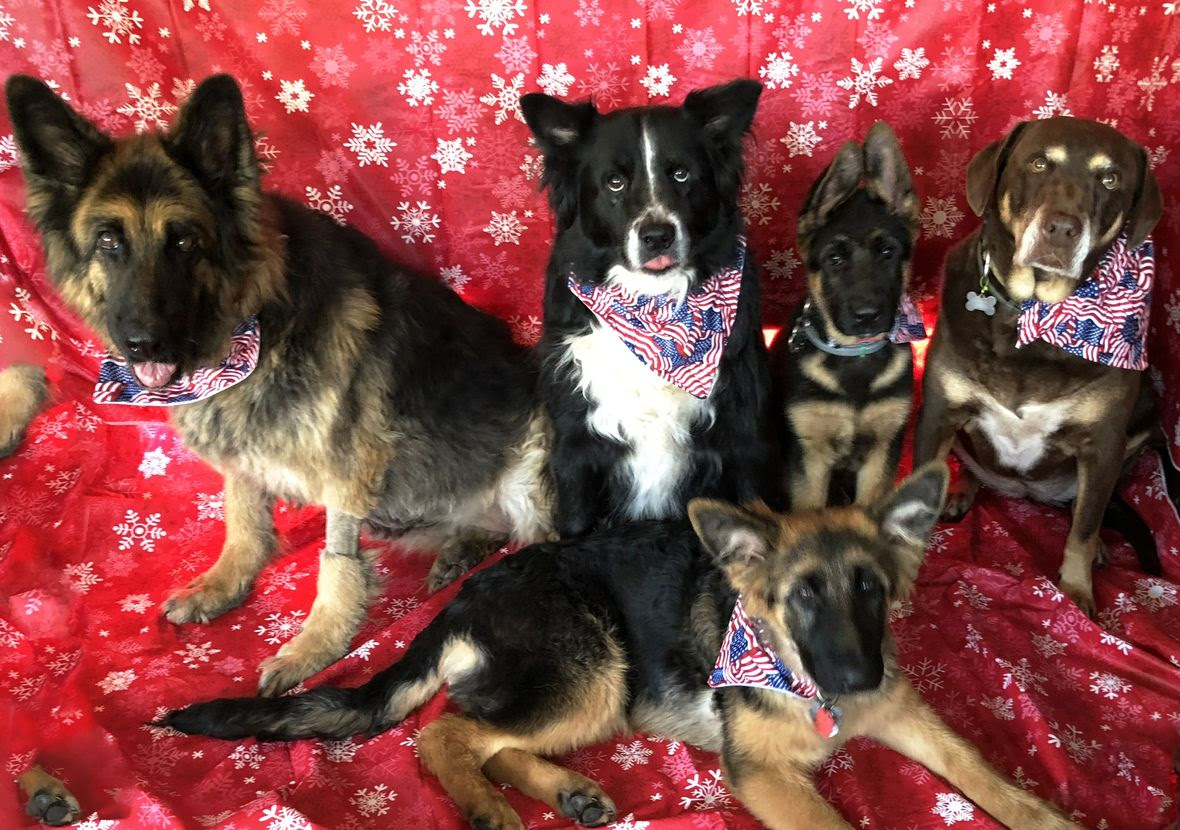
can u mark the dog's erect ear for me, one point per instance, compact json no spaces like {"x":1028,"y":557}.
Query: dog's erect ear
{"x":735,"y":537}
{"x":986,"y":167}
{"x":838,"y":182}
{"x":557,"y":125}
{"x":887,"y":176}
{"x":212,"y":137}
{"x":906,"y":517}
{"x":1148,"y":207}
{"x":725,"y":111}
{"x":56,"y":144}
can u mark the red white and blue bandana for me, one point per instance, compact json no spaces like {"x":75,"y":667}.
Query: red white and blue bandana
{"x":908,"y":326}
{"x":681,"y":342}
{"x":1105,"y":319}
{"x":117,"y":382}
{"x":743,"y":661}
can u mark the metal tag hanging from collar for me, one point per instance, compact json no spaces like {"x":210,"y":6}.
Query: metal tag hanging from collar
{"x":826,"y":717}
{"x":983,"y":301}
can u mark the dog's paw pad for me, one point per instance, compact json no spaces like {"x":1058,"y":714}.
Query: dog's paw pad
{"x":587,"y":810}
{"x":53,"y":809}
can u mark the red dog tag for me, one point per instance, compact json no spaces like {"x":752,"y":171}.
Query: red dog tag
{"x":826,"y":719}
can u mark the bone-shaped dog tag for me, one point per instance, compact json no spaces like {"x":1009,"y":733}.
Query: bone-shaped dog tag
{"x":975,"y":302}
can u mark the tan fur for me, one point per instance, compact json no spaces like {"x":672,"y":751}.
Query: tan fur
{"x":23,"y":392}
{"x":540,"y":779}
{"x":37,"y":786}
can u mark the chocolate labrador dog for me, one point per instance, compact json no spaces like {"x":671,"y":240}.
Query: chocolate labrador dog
{"x":1034,"y":374}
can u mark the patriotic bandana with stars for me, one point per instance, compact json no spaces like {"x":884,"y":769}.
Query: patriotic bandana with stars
{"x":1105,"y":319}
{"x":681,"y":342}
{"x":117,"y":382}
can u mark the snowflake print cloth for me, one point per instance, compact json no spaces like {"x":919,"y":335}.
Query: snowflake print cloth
{"x":1105,"y":319}
{"x":403,"y":122}
{"x":681,"y":341}
{"x":118,"y":384}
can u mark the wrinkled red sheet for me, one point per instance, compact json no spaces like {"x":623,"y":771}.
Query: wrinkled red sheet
{"x":401,"y":119}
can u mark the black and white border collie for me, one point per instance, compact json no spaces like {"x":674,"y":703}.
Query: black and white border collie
{"x":646,"y":199}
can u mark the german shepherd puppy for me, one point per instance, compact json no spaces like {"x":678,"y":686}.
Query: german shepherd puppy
{"x":847,"y":389}
{"x":565,"y":644}
{"x":646,"y":203}
{"x":378,"y":393}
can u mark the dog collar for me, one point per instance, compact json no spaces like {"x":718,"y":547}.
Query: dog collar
{"x":746,"y":661}
{"x":1105,"y":319}
{"x":117,"y":382}
{"x":989,"y":292}
{"x":680,"y":341}
{"x":907,"y":328}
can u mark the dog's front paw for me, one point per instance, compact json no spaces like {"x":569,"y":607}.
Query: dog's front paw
{"x":53,"y":805}
{"x":592,"y":809}
{"x":290,"y":666}
{"x":1082,"y":593}
{"x":202,"y":600}
{"x":495,"y":815}
{"x":959,"y":498}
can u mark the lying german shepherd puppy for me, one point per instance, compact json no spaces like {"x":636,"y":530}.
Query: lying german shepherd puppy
{"x":372,"y":391}
{"x":565,"y":644}
{"x":846,"y":368}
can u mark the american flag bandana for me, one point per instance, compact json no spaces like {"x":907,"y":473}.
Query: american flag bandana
{"x":908,"y":326}
{"x":1105,"y":319}
{"x":743,"y":661}
{"x":681,"y":342}
{"x":118,"y":384}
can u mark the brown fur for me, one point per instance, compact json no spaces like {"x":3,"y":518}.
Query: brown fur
{"x":23,"y":391}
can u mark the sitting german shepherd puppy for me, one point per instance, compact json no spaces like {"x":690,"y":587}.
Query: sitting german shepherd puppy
{"x":376,"y":392}
{"x":565,"y":644}
{"x":846,"y":370}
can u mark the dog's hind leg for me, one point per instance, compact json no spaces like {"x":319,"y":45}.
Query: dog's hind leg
{"x":459,"y":554}
{"x":782,"y":797}
{"x":343,"y":588}
{"x":455,"y":748}
{"x":909,"y":726}
{"x":574,"y":796}
{"x":49,"y":802}
{"x":249,"y":545}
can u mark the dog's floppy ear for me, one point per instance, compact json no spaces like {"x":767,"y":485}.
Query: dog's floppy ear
{"x":887,"y":176}
{"x":907,"y":515}
{"x":57,"y":145}
{"x":557,"y":125}
{"x":725,"y":111}
{"x":838,"y":182}
{"x":737,"y":538}
{"x":212,"y":137}
{"x":985,"y":168}
{"x":1148,"y":206}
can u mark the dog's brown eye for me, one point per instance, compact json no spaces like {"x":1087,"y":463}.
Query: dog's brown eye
{"x":186,"y":243}
{"x":1110,"y":180}
{"x":616,"y":183}
{"x":835,"y":260}
{"x":109,"y":241}
{"x":1038,"y":164}
{"x":680,"y":174}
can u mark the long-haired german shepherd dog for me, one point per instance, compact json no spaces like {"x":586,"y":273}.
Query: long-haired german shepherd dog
{"x":646,"y":204}
{"x":847,"y":389}
{"x":378,"y":393}
{"x":567,"y":643}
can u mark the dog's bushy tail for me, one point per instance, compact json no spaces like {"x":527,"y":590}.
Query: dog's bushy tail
{"x":328,"y":712}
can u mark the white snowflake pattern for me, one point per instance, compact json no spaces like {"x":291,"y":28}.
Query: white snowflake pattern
{"x":1106,"y":64}
{"x":630,"y":755}
{"x":247,"y":756}
{"x":211,"y":506}
{"x":192,"y":655}
{"x":505,"y":97}
{"x":1022,"y":675}
{"x":748,"y":7}
{"x":782,"y":264}
{"x":294,"y":96}
{"x":93,"y":822}
{"x":1055,"y":104}
{"x":9,"y":637}
{"x":142,"y":532}
{"x":370,"y":144}
{"x":911,"y":63}
{"x":365,"y":650}
{"x":705,"y":792}
{"x":871,"y":8}
{"x":1070,"y":739}
{"x":375,"y":15}
{"x":374,"y":802}
{"x":119,"y":20}
{"x":1154,"y":595}
{"x":1001,"y":707}
{"x":136,"y":603}
{"x":417,"y":223}
{"x":496,"y":14}
{"x":147,"y":108}
{"x":9,"y":154}
{"x":1118,"y":643}
{"x":953,"y":808}
{"x":1047,"y":646}
{"x":340,"y":752}
{"x":700,"y":48}
{"x":759,"y":203}
{"x":453,"y":277}
{"x":426,"y":48}
{"x":974,"y":597}
{"x":629,"y":822}
{"x":956,"y":117}
{"x":864,"y":82}
{"x":926,"y":675}
{"x":801,"y":139}
{"x":658,"y":80}
{"x":1108,"y":685}
{"x":155,"y":463}
{"x":451,"y":156}
{"x":117,"y":681}
{"x":555,"y":79}
{"x":1003,"y":64}
{"x":940,"y":216}
{"x":279,"y":627}
{"x":35,"y":327}
{"x":331,"y":203}
{"x":418,"y":87}
{"x":504,"y":228}
{"x":779,"y":71}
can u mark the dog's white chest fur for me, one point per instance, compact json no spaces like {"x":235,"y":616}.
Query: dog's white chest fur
{"x":1020,"y":438}
{"x":632,"y":405}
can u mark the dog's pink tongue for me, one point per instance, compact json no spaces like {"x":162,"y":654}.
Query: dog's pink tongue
{"x":153,"y":375}
{"x":659,"y":263}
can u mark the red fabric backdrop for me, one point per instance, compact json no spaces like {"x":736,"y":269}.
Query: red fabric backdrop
{"x":402,"y":120}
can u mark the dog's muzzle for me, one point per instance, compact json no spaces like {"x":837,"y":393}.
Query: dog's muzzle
{"x":1056,"y":242}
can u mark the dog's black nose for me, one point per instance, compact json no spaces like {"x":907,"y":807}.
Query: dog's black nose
{"x":867,"y":314}
{"x":860,"y":677}
{"x":657,"y":237}
{"x":141,"y":344}
{"x":1062,"y":229}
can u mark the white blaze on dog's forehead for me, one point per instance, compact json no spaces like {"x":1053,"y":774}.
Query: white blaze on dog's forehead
{"x":649,"y":161}
{"x":1057,"y":154}
{"x":1099,"y":161}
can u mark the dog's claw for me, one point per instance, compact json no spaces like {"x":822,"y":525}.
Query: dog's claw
{"x":54,"y":809}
